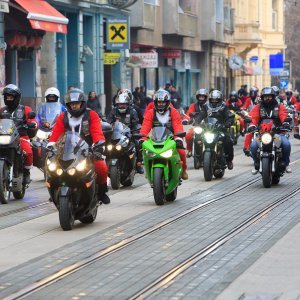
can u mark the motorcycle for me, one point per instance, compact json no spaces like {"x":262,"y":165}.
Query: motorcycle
{"x":269,"y":153}
{"x":235,"y":129}
{"x":162,"y":164}
{"x":297,"y":125}
{"x":214,"y":163}
{"x":120,"y":156}
{"x":50,"y":112}
{"x":11,"y":159}
{"x":71,"y":181}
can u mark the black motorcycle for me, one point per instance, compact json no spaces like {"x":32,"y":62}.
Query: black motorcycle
{"x":11,"y":159}
{"x":71,"y":181}
{"x":50,"y":112}
{"x":120,"y":156}
{"x":214,"y":162}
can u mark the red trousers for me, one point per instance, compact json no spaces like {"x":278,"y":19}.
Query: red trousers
{"x":182,"y":155}
{"x":101,"y":170}
{"x":27,"y":150}
{"x":189,"y":139}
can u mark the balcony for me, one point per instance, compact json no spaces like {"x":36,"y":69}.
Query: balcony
{"x":247,"y":32}
{"x":143,"y":16}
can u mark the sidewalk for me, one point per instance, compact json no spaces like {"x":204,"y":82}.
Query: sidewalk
{"x":274,"y":276}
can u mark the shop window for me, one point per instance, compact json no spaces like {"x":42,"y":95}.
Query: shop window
{"x":274,"y":14}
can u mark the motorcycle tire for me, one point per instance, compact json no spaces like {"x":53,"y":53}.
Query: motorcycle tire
{"x":66,"y":214}
{"x":114,"y":174}
{"x":4,"y":184}
{"x":266,"y":172}
{"x":89,"y":218}
{"x":219,"y":173}
{"x":172,"y":196}
{"x":20,"y":194}
{"x":275,"y":179}
{"x":158,"y":186}
{"x":128,"y":182}
{"x":197,"y":162}
{"x":207,"y":166}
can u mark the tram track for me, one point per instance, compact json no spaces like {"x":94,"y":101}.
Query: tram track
{"x":42,"y":283}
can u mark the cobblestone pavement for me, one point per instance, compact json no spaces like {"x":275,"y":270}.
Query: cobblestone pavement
{"x":125,"y":272}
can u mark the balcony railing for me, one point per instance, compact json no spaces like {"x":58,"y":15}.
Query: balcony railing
{"x":247,"y":32}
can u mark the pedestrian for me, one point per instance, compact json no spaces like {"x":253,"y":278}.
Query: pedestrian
{"x":175,"y":97}
{"x":93,"y":103}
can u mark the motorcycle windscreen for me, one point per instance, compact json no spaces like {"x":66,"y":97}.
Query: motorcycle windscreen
{"x":160,"y":134}
{"x":212,"y":121}
{"x":70,"y":146}
{"x":119,"y":130}
{"x":7,"y":126}
{"x":48,"y":112}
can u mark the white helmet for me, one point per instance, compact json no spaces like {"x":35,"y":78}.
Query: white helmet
{"x":122,"y":102}
{"x":52,"y":91}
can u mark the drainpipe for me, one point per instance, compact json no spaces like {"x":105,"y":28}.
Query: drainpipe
{"x":81,"y":54}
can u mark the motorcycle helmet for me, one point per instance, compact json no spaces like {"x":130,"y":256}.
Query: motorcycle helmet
{"x":276,"y":90}
{"x":268,"y":97}
{"x":201,"y":96}
{"x":233,"y":97}
{"x":12,"y":90}
{"x":122,"y":102}
{"x":75,"y":96}
{"x":289,"y":94}
{"x":253,"y":92}
{"x":52,"y":94}
{"x":215,"y":98}
{"x":128,"y":92}
{"x":162,"y":101}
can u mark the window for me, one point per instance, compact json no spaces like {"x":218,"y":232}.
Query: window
{"x":188,"y":6}
{"x":152,"y":2}
{"x":219,"y":11}
{"x":274,"y":20}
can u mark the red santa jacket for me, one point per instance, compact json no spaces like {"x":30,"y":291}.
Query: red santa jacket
{"x":149,"y":119}
{"x":255,"y":114}
{"x":95,"y":128}
{"x":191,"y":109}
{"x":151,"y":105}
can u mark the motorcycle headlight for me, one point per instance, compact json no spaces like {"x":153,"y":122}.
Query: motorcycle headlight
{"x":52,"y":166}
{"x":109,"y":147}
{"x":167,"y":154}
{"x":118,"y":147}
{"x":59,"y":172}
{"x":5,"y":139}
{"x":266,"y":138}
{"x":209,"y":137}
{"x":198,"y":130}
{"x":42,"y":135}
{"x":81,"y":166}
{"x":150,"y":154}
{"x":71,"y":171}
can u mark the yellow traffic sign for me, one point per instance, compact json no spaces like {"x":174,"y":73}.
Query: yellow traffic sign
{"x":117,"y":33}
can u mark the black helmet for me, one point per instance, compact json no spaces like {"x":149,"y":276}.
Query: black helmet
{"x":201,"y":96}
{"x":289,"y":93}
{"x":265,"y":101}
{"x":276,"y":90}
{"x":253,"y":92}
{"x":12,"y":90}
{"x":162,"y":101}
{"x":215,"y":98}
{"x":75,"y":95}
{"x":233,"y":96}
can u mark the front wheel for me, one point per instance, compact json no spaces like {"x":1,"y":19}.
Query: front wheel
{"x":20,"y":194}
{"x":114,"y":173}
{"x":266,"y":172}
{"x":158,"y":186}
{"x":90,"y":218}
{"x":172,"y":196}
{"x":4,"y":182}
{"x":207,"y":166}
{"x":66,"y":214}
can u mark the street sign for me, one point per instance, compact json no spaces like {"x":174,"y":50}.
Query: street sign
{"x":254,"y":58}
{"x":117,"y":34}
{"x":284,"y":84}
{"x":111,"y":58}
{"x":276,"y":64}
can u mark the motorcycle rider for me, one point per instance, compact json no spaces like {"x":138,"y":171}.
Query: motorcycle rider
{"x":125,"y":113}
{"x":164,"y":115}
{"x":78,"y":118}
{"x":217,"y":108}
{"x":289,"y":98}
{"x":12,"y":98}
{"x":197,"y":107}
{"x":270,"y":109}
{"x":52,"y":95}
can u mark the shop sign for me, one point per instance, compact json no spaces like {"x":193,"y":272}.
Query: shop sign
{"x":143,"y":60}
{"x":171,"y":53}
{"x":111,"y":58}
{"x":117,"y":34}
{"x":4,"y":7}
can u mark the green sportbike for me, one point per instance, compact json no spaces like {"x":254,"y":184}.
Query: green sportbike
{"x":162,"y":164}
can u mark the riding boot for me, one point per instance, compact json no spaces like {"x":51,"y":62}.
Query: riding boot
{"x":102,"y":197}
{"x":26,"y":176}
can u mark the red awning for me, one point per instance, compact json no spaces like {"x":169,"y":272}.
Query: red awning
{"x":43,"y":16}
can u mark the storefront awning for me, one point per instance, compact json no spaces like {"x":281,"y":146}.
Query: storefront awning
{"x":43,"y":16}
